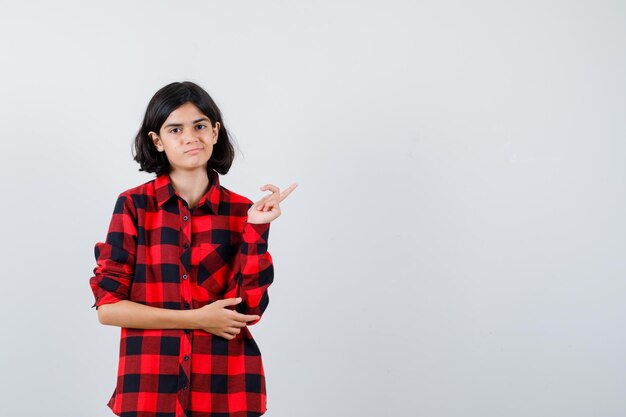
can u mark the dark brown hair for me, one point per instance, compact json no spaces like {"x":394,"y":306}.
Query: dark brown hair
{"x":164,"y":102}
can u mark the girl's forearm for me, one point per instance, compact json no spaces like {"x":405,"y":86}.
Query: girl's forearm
{"x":134,"y":315}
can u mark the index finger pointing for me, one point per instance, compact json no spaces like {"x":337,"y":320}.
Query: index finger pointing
{"x":288,"y":191}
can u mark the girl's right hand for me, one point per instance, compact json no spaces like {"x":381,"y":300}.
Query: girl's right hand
{"x":216,"y":319}
{"x":267,"y":209}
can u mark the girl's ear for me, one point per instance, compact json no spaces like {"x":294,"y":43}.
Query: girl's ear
{"x":156,"y":140}
{"x":216,"y":132}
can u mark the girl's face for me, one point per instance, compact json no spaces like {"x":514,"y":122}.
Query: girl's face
{"x":187,"y":138}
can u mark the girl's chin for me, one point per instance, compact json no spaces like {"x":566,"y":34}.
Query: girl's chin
{"x":189,"y":167}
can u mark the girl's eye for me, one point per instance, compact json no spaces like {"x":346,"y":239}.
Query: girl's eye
{"x":201,"y":127}
{"x":175,"y":130}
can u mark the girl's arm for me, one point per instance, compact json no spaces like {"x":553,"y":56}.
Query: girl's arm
{"x":256,"y":271}
{"x":214,"y":318}
{"x":113,"y":276}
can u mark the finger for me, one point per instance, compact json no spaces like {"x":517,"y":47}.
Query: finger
{"x":261,"y":203}
{"x":251,"y":317}
{"x":288,"y":191}
{"x":244,"y":318}
{"x":228,"y":301}
{"x":267,"y":205}
{"x":271,"y":187}
{"x":273,"y":199}
{"x":266,"y":197}
{"x":233,"y":330}
{"x":237,"y":320}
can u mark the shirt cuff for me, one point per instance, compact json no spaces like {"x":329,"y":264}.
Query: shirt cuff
{"x":256,"y":232}
{"x":104,"y":297}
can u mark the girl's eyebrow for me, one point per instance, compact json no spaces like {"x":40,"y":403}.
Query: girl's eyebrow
{"x":202,"y":119}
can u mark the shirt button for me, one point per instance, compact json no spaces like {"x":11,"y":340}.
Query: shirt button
{"x":186,"y":358}
{"x":187,"y":305}
{"x":184,"y":385}
{"x":184,"y":276}
{"x":187,"y":331}
{"x":186,"y":246}
{"x":185,"y":218}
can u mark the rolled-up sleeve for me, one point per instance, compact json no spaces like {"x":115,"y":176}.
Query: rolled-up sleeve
{"x":115,"y":258}
{"x":256,"y":270}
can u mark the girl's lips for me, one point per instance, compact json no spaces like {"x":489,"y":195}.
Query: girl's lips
{"x":194,"y":151}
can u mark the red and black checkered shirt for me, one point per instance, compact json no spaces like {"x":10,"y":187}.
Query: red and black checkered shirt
{"x":162,"y":253}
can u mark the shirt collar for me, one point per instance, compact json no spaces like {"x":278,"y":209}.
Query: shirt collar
{"x":164,"y":190}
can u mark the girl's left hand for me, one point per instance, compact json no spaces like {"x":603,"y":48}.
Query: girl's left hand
{"x":268,"y":208}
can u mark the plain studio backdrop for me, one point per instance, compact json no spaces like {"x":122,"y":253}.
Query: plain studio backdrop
{"x":456,"y":245}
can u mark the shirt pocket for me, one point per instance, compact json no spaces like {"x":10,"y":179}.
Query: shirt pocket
{"x":217,"y":266}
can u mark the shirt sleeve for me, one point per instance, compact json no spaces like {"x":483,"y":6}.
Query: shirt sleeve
{"x":115,"y":258}
{"x":256,"y":271}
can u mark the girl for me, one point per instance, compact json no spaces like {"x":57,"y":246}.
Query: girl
{"x":185,"y":270}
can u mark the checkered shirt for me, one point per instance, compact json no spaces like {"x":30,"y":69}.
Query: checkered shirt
{"x":162,"y":253}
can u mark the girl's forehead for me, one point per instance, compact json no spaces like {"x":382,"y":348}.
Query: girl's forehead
{"x":186,"y":112}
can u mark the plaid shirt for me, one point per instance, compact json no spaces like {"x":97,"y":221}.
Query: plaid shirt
{"x":161,"y":253}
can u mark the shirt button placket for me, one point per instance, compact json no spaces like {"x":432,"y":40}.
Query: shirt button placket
{"x":185,"y":294}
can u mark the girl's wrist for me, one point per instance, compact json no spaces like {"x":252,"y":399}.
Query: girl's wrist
{"x":190,"y":319}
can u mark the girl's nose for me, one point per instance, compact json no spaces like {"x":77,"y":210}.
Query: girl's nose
{"x":189,"y":135}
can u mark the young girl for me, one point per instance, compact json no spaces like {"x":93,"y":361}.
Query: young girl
{"x":185,"y":270}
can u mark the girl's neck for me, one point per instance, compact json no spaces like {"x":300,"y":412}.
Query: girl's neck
{"x":190,"y":185}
